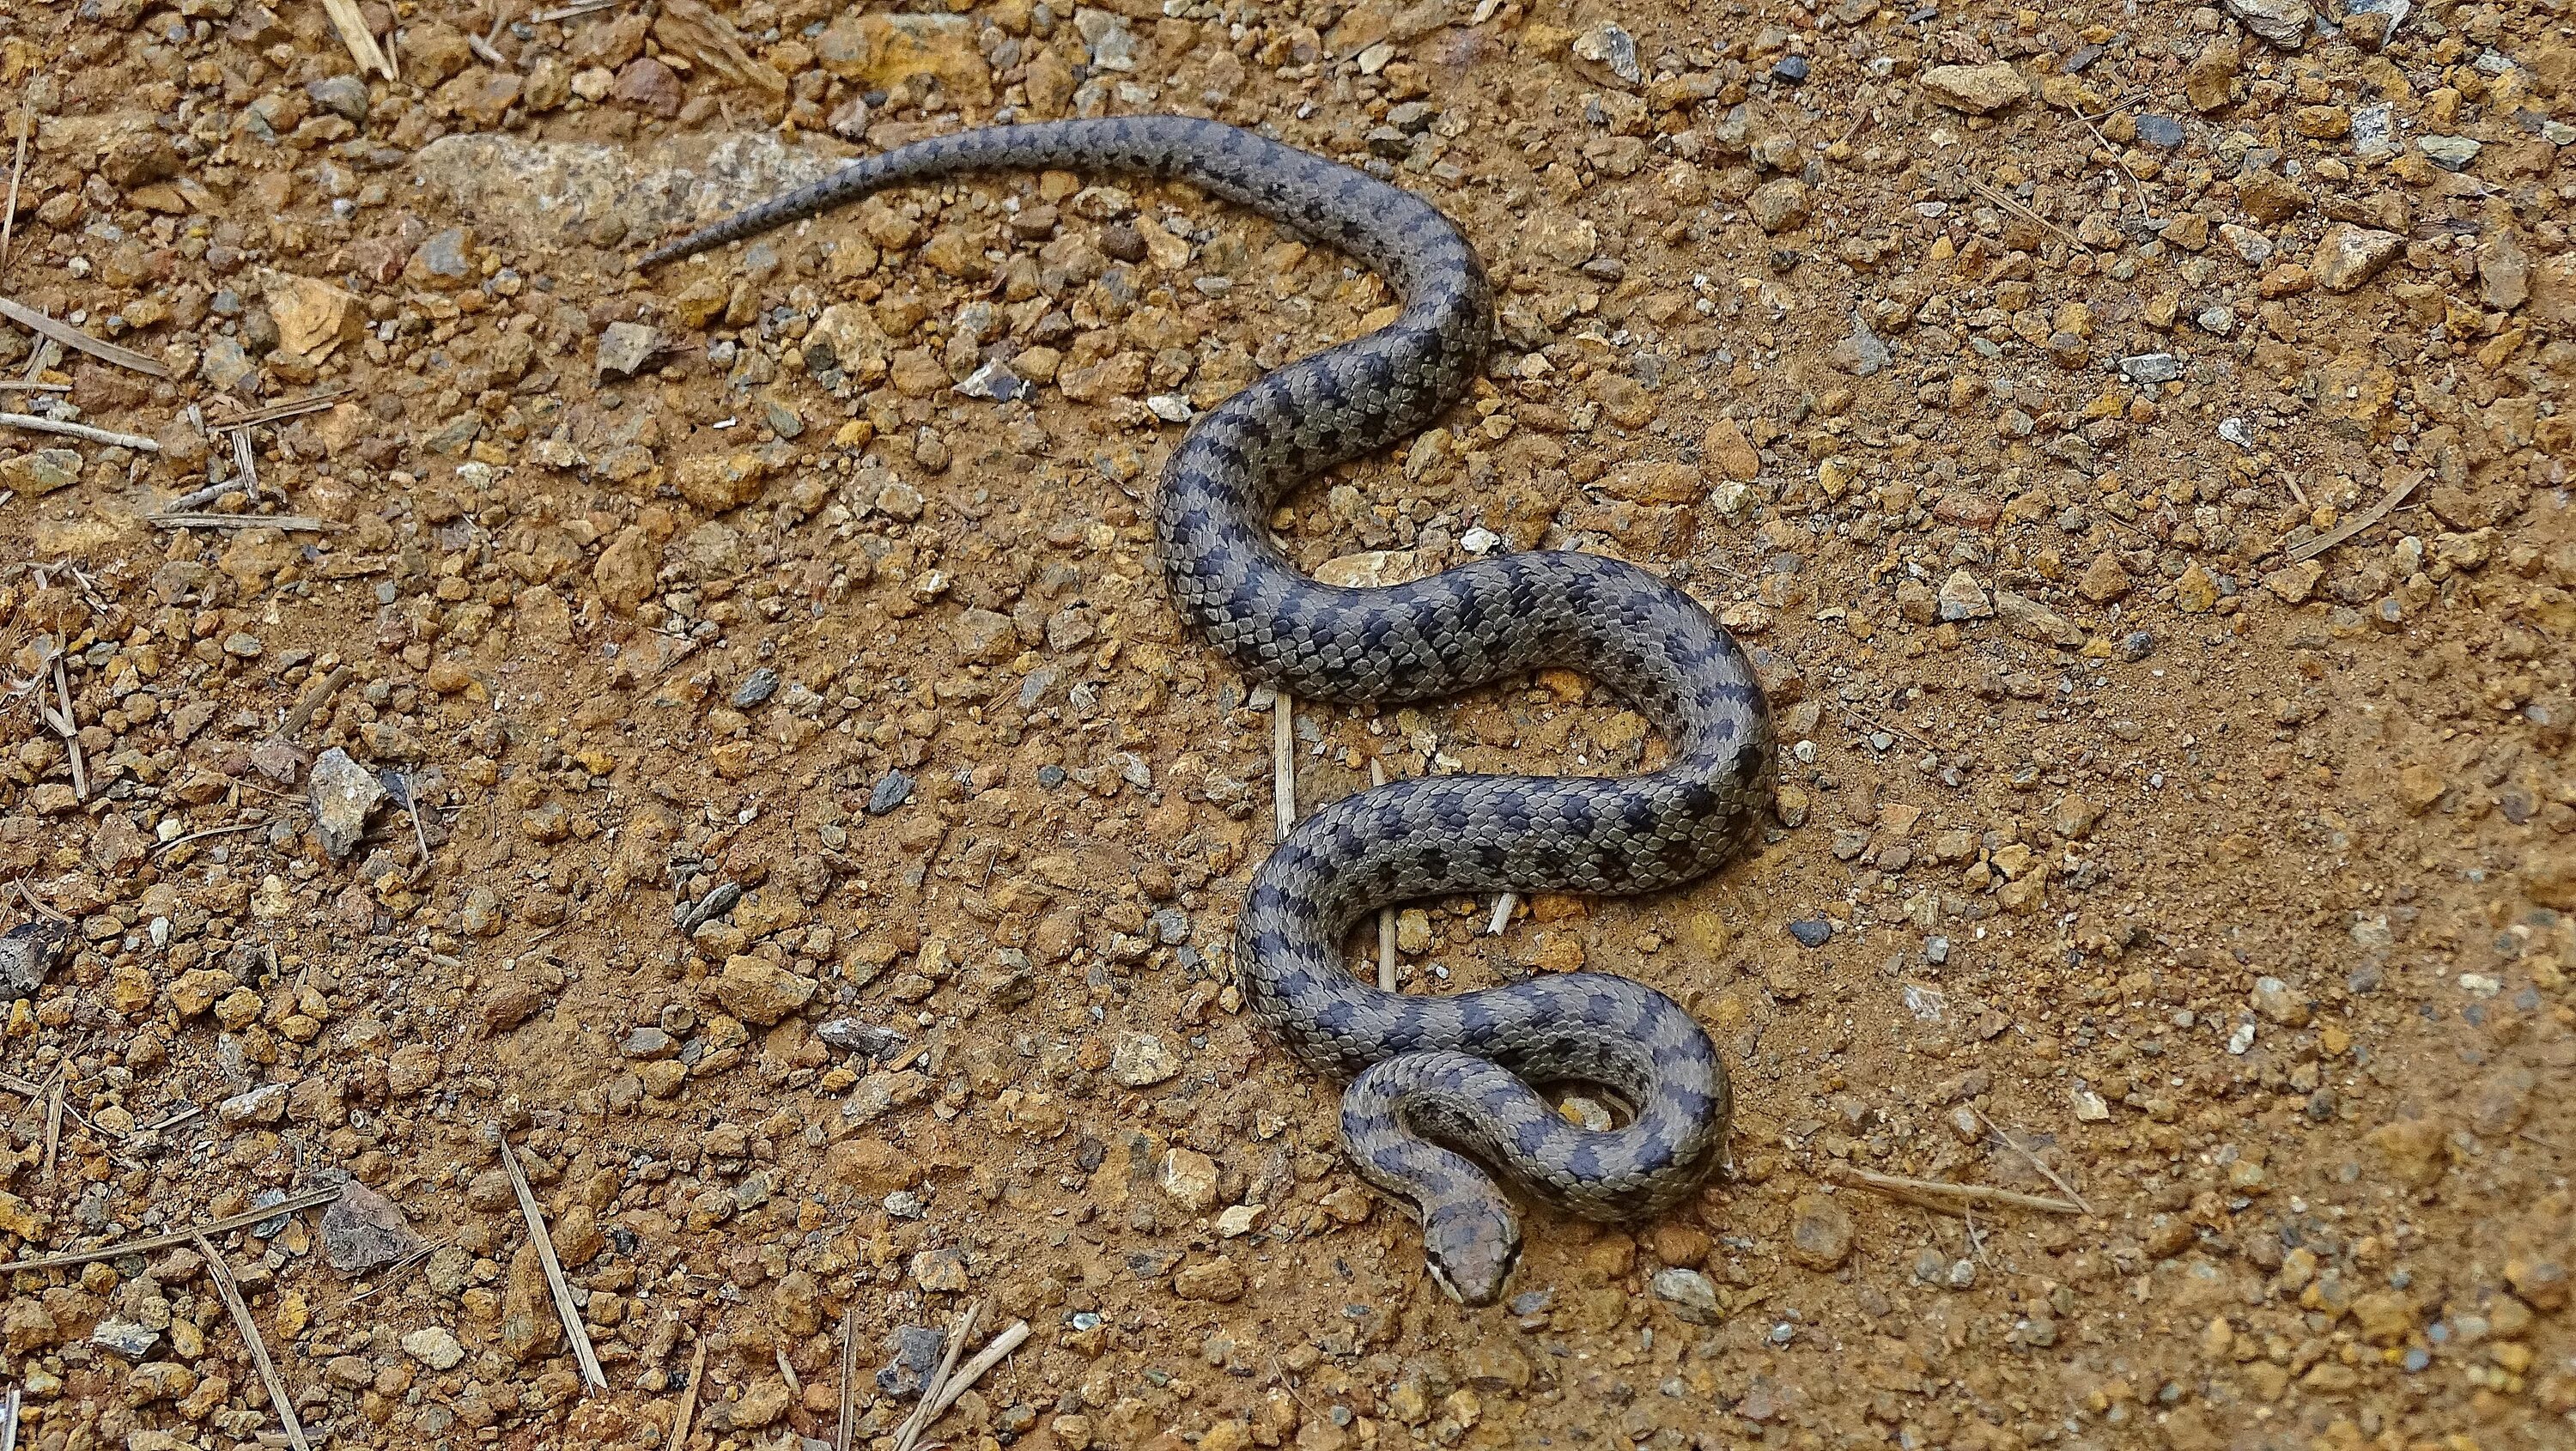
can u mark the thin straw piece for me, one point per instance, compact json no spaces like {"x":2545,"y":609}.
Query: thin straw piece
{"x":222,"y":1275}
{"x":570,"y":1314}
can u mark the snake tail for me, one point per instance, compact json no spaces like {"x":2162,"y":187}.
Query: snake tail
{"x":1444,"y":1087}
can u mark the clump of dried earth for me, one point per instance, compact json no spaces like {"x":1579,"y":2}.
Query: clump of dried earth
{"x":720,"y":727}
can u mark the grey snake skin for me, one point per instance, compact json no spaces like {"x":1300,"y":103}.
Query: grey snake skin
{"x":1430,"y":1074}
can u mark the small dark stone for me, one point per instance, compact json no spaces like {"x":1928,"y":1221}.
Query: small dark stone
{"x":27,"y":953}
{"x":755,"y":688}
{"x":1051,"y":776}
{"x":2137,"y":645}
{"x":917,"y":1350}
{"x":868,"y":1040}
{"x":2080,"y":57}
{"x":2161,"y":132}
{"x":892,"y":790}
{"x":1792,"y":69}
{"x":1812,"y":931}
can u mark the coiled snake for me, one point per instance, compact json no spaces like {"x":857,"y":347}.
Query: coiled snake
{"x":1430,"y":1073}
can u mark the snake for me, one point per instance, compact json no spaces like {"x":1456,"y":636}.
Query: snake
{"x":1445,"y":1100}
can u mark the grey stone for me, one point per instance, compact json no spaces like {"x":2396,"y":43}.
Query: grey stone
{"x":344,"y":96}
{"x":892,"y":790}
{"x":994,"y":381}
{"x":2151,"y":368}
{"x":2285,"y":23}
{"x":626,"y":347}
{"x":916,"y":1352}
{"x":756,"y":688}
{"x":1141,"y":1060}
{"x":2451,"y":153}
{"x":435,"y":1347}
{"x":1862,"y":353}
{"x":128,"y":1338}
{"x":364,"y":1231}
{"x":1691,"y":1295}
{"x":344,"y":794}
{"x":27,"y":955}
{"x":42,"y":471}
{"x":865,"y":1039}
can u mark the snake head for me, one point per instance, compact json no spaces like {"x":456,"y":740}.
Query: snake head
{"x":1471,"y":1249}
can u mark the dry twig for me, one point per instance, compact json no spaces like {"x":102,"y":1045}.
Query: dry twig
{"x":574,"y":1330}
{"x":10,"y":385}
{"x":9,"y":1421}
{"x":312,"y":703}
{"x":1949,"y":1198}
{"x":358,"y":38}
{"x":1502,"y":918}
{"x":222,"y":1275}
{"x":33,"y":424}
{"x":2036,"y":1162}
{"x":689,"y":1398}
{"x":973,"y":1371}
{"x":72,"y":337}
{"x":73,"y":1259}
{"x":67,"y":727}
{"x":291,"y":408}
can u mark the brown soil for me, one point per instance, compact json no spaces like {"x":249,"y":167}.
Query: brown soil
{"x":1990,"y":371}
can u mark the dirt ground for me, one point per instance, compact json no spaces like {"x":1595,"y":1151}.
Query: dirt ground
{"x":722,"y":727}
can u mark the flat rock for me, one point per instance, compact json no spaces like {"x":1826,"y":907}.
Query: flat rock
{"x":363,"y":1231}
{"x":540,"y":192}
{"x":1691,"y":1295}
{"x":27,"y":954}
{"x":2285,"y":23}
{"x":1141,"y":1060}
{"x":1980,"y":90}
{"x":625,"y":347}
{"x":2348,"y":256}
{"x":434,"y":1347}
{"x":344,"y":794}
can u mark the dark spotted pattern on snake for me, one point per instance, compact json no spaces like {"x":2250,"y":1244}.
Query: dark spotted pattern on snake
{"x":1432,"y":1075}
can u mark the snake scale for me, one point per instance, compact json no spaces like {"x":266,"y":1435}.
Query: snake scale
{"x":1431,"y":1075}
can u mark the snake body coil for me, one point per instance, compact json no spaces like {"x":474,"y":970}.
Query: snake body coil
{"x":1428,"y":1072}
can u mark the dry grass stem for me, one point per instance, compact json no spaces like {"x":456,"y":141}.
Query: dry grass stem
{"x":973,"y":1371}
{"x":72,"y":1259}
{"x":1502,"y":918}
{"x":2018,"y":1147}
{"x":1385,"y":915}
{"x":1950,"y":1198}
{"x":2402,"y":484}
{"x":222,"y":1275}
{"x":2001,"y":200}
{"x":179,"y":841}
{"x":53,"y":1120}
{"x":291,"y":523}
{"x":8,"y":232}
{"x":570,"y":1314}
{"x":11,"y":385}
{"x":72,"y":337}
{"x":847,"y":1426}
{"x":32,"y":424}
{"x":246,"y":464}
{"x":1283,"y":761}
